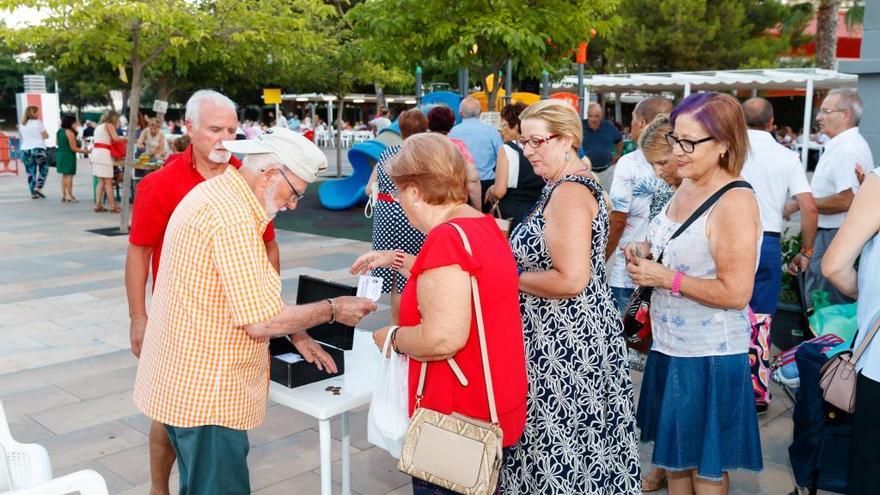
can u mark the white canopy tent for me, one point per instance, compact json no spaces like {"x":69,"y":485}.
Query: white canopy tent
{"x":808,"y":79}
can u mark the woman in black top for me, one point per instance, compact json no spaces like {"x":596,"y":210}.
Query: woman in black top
{"x":516,"y":186}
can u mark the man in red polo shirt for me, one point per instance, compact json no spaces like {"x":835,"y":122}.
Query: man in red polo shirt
{"x":210,"y":119}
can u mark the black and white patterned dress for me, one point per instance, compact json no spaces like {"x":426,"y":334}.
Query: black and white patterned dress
{"x":391,"y":229}
{"x":580,"y":434}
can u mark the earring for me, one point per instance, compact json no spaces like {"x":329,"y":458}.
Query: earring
{"x":567,"y":155}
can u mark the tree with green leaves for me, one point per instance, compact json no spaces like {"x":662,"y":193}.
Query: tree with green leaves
{"x":666,"y":35}
{"x":480,"y":35}
{"x":221,"y":37}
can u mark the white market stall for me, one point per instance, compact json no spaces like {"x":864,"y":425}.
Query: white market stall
{"x":808,"y":79}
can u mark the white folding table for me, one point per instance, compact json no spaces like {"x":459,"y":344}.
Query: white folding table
{"x":361,"y":364}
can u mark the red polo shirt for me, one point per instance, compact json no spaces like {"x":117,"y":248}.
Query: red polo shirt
{"x":158,"y":195}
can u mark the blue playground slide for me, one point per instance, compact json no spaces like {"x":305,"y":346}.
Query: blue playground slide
{"x":448,"y":98}
{"x":342,"y":194}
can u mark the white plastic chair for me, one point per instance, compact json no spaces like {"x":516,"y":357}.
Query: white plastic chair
{"x":28,"y":464}
{"x":27,"y":470}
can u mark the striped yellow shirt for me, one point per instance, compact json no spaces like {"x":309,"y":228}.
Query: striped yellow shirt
{"x":198,"y":365}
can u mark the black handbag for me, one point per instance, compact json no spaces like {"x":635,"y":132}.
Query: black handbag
{"x":637,"y":315}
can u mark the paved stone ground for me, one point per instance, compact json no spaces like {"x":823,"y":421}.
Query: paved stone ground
{"x":66,"y":371}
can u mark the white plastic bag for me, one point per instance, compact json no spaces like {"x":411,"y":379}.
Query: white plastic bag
{"x":388,"y":418}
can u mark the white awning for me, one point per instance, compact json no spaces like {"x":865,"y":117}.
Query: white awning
{"x":716,"y":80}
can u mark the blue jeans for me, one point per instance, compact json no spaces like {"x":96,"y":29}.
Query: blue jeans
{"x":421,"y":487}
{"x":621,"y":297}
{"x":768,"y":278}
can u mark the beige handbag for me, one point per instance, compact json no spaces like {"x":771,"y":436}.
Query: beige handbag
{"x":838,"y":376}
{"x":503,"y":223}
{"x":454,"y":451}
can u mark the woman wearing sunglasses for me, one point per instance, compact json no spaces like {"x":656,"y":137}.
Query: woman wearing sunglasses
{"x":696,"y":401}
{"x":580,"y":424}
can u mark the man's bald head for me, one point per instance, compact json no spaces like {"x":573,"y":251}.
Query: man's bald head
{"x":469,"y":108}
{"x":649,"y":108}
{"x":759,"y":114}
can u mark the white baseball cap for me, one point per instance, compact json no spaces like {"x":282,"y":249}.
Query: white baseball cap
{"x":291,"y":148}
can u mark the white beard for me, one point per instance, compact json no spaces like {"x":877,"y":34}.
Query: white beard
{"x":218,"y":156}
{"x":271,"y":210}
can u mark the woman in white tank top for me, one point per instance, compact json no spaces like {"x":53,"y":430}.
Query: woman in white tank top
{"x":696,"y":402}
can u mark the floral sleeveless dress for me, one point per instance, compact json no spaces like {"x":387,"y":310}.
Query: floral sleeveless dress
{"x":580,"y":434}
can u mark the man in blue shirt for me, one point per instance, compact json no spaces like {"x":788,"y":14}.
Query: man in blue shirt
{"x":294,"y":123}
{"x":482,"y":140}
{"x":601,"y":140}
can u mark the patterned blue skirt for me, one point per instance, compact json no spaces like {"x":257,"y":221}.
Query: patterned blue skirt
{"x":700,"y":414}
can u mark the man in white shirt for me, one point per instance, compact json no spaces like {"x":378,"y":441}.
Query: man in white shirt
{"x":776,"y":174}
{"x":834,"y":182}
{"x":631,"y":190}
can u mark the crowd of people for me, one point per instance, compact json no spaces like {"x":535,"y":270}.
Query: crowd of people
{"x":695,"y":211}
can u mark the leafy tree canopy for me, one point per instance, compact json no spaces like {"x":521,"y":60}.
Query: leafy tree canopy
{"x":478,"y":34}
{"x":664,"y":35}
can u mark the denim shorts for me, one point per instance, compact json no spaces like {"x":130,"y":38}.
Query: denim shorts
{"x":700,"y":414}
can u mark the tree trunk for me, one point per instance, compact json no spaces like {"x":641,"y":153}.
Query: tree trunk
{"x":826,"y":33}
{"x":339,"y":96}
{"x":380,"y":97}
{"x":164,"y":93}
{"x":134,"y":102}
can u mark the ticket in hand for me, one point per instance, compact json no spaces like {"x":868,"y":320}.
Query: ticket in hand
{"x":370,"y":287}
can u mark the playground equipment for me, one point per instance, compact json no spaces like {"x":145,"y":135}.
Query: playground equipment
{"x":451,"y":100}
{"x":342,"y":194}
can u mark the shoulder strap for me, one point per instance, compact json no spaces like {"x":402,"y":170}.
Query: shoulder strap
{"x":864,"y":345}
{"x":702,"y":209}
{"x":708,"y":204}
{"x":481,"y":331}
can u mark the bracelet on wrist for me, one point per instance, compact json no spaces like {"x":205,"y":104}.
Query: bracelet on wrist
{"x":332,"y":311}
{"x":399,"y":257}
{"x":805,"y":255}
{"x":394,"y":340}
{"x":676,"y":284}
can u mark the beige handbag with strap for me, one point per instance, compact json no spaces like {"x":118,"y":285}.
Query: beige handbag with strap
{"x":838,"y":375}
{"x":454,"y":451}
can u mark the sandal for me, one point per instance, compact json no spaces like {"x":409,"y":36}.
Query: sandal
{"x":115,"y":209}
{"x":654,"y":481}
{"x":100,"y":209}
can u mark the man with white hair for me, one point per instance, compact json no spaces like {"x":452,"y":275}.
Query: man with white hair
{"x":482,"y":140}
{"x":835,"y":181}
{"x":204,"y":367}
{"x":210,"y":119}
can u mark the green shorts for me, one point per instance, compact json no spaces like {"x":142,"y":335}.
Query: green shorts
{"x":211,"y":460}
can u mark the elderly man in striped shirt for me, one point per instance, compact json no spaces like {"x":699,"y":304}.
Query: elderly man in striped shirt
{"x":203,"y":370}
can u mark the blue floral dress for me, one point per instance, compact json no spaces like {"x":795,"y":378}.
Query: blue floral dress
{"x":580,"y":434}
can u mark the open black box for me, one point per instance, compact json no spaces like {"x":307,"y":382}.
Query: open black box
{"x":333,"y":338}
{"x":300,"y":373}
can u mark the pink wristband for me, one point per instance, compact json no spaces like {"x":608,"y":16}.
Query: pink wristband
{"x":676,"y":284}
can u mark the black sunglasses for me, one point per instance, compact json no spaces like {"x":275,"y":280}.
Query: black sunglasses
{"x":686,"y":145}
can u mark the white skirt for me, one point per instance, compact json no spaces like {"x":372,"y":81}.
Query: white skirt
{"x":103,"y":171}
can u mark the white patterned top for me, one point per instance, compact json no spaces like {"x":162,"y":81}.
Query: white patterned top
{"x":681,"y":326}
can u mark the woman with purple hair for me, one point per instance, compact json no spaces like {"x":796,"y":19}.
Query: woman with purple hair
{"x":696,"y":402}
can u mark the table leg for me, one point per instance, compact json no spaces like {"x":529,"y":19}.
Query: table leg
{"x":346,"y":455}
{"x":326,"y":461}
